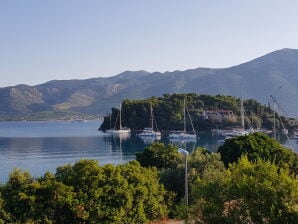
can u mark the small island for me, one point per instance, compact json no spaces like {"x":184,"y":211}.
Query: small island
{"x":207,"y":112}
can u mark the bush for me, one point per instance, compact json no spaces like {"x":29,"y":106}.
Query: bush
{"x":86,"y":193}
{"x":258,"y":146}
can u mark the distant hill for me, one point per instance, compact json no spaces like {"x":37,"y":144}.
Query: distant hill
{"x":259,"y":79}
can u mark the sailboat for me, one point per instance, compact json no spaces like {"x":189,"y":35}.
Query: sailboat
{"x":110,"y":130}
{"x":239,"y":131}
{"x":121,"y":130}
{"x":182,"y":134}
{"x":149,"y":132}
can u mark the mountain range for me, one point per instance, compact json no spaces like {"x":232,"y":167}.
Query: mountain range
{"x":274,"y":74}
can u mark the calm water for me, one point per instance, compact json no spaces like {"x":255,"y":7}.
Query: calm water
{"x":42,"y":146}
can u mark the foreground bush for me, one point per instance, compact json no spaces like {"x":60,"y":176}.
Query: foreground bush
{"x":247,"y":192}
{"x":257,"y":188}
{"x":85,"y":193}
{"x":259,"y":146}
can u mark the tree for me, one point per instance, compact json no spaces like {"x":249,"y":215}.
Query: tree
{"x":171,"y":167}
{"x":4,"y":215}
{"x":160,"y":156}
{"x":39,"y":201}
{"x":247,"y":192}
{"x":201,"y":160}
{"x":12,"y":195}
{"x":115,"y":194}
{"x":261,"y":192}
{"x":257,"y":146}
{"x":85,"y":193}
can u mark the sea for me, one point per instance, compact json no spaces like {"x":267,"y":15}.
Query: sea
{"x":40,"y":146}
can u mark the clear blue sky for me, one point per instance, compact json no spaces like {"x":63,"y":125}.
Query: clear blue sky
{"x":41,"y":40}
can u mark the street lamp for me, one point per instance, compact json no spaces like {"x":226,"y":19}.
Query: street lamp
{"x":185,"y":153}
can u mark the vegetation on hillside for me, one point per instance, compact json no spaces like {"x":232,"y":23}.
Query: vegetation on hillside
{"x":168,"y":112}
{"x":259,"y":77}
{"x":47,"y":115}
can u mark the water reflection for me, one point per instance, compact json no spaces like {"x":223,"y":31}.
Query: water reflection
{"x":150,"y":139}
{"x":37,"y":152}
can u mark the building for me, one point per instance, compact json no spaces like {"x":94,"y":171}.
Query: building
{"x":218,"y":114}
{"x":293,"y":122}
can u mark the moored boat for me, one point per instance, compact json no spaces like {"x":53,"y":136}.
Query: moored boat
{"x":149,"y":132}
{"x":121,"y":130}
{"x":183,"y":134}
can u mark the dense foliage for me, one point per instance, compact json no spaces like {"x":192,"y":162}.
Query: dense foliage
{"x":168,"y":111}
{"x":259,"y":186}
{"x":160,"y":156}
{"x":247,"y":192}
{"x":257,"y":146}
{"x":251,"y":190}
{"x":84,"y":193}
{"x":171,"y":165}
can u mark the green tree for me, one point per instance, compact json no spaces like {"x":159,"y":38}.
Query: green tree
{"x":201,"y":160}
{"x":261,"y":192}
{"x":114,"y":194}
{"x":247,"y":192}
{"x":208,"y":197}
{"x":257,"y":146}
{"x":13,"y":197}
{"x":172,"y":170}
{"x":4,"y":215}
{"x":39,"y":201}
{"x":160,"y":156}
{"x":85,"y":193}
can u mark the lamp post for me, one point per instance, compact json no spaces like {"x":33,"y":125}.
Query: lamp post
{"x":185,"y":153}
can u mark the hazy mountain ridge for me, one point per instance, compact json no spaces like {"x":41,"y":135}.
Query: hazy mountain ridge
{"x":259,"y":79}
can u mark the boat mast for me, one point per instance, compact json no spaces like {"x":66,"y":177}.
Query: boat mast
{"x":274,"y":122}
{"x":242,"y":111}
{"x":274,"y":111}
{"x":120,"y":127}
{"x":184,"y":116}
{"x":151,"y":116}
{"x":193,"y":128}
{"x":110,"y":120}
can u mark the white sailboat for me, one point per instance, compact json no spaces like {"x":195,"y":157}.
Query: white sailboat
{"x":121,"y":130}
{"x":176,"y":135}
{"x":149,"y":132}
{"x":239,"y":131}
{"x":111,"y":129}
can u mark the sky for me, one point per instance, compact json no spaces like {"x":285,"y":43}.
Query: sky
{"x":42,"y":40}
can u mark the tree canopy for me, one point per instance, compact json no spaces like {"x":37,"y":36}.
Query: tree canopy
{"x":85,"y":193}
{"x":257,"y":146}
{"x":247,"y":192}
{"x":258,"y":185}
{"x":160,"y":156}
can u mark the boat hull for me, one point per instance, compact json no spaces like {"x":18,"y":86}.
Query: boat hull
{"x":182,"y":136}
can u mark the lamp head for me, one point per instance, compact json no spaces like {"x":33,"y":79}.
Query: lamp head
{"x":183,"y":152}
